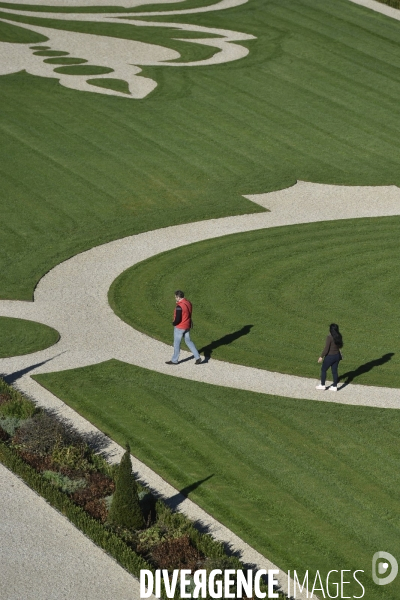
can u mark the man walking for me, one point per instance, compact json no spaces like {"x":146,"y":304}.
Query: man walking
{"x":182,"y":323}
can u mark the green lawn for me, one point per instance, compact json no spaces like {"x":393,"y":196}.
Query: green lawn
{"x":266,"y":298}
{"x":316,"y":99}
{"x":310,"y":485}
{"x":22,"y":337}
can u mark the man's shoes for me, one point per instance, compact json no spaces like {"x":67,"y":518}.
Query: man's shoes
{"x":169,"y":362}
{"x":320,"y":387}
{"x":198,"y":361}
{"x":333,"y":388}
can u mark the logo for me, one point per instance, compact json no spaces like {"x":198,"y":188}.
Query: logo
{"x":380,"y":566}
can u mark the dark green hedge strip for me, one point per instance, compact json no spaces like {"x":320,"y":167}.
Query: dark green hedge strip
{"x":105,"y":539}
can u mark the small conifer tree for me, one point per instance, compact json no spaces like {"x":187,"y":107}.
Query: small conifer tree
{"x":125,"y":507}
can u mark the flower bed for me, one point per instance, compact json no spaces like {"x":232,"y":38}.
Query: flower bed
{"x":62,"y":466}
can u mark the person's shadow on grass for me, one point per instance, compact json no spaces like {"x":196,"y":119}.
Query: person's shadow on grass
{"x":176,"y":500}
{"x":365,"y":368}
{"x":224,"y":341}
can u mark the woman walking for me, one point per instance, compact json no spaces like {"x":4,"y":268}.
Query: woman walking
{"x":330,"y":357}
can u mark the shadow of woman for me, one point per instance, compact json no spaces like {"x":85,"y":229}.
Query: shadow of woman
{"x":365,"y":368}
{"x":224,"y":341}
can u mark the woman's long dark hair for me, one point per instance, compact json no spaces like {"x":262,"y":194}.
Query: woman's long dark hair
{"x":335,"y":333}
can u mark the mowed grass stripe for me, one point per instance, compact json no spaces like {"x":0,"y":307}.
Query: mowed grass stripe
{"x":295,"y":479}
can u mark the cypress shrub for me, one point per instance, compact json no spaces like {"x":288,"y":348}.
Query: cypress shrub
{"x":125,"y":509}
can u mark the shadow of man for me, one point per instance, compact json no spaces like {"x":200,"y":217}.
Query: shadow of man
{"x":365,"y":368}
{"x":224,"y":341}
{"x":176,"y":500}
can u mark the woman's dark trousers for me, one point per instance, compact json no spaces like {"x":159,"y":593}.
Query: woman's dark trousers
{"x":330,"y":361}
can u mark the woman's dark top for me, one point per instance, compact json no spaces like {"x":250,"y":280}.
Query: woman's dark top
{"x":330,"y":347}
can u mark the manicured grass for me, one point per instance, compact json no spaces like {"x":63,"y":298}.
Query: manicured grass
{"x":83,"y":70}
{"x":266,"y":298}
{"x":23,"y":337}
{"x":311,"y":485}
{"x":50,"y":53}
{"x":316,"y":99}
{"x":67,"y":60}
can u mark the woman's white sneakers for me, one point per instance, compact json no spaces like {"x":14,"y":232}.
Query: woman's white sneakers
{"x":332,"y":388}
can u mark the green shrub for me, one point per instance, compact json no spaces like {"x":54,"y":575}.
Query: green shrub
{"x":4,"y":397}
{"x":102,"y":466}
{"x":20,"y":408}
{"x":71,"y":457}
{"x":125,"y":508}
{"x":64,"y":483}
{"x":151,"y":537}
